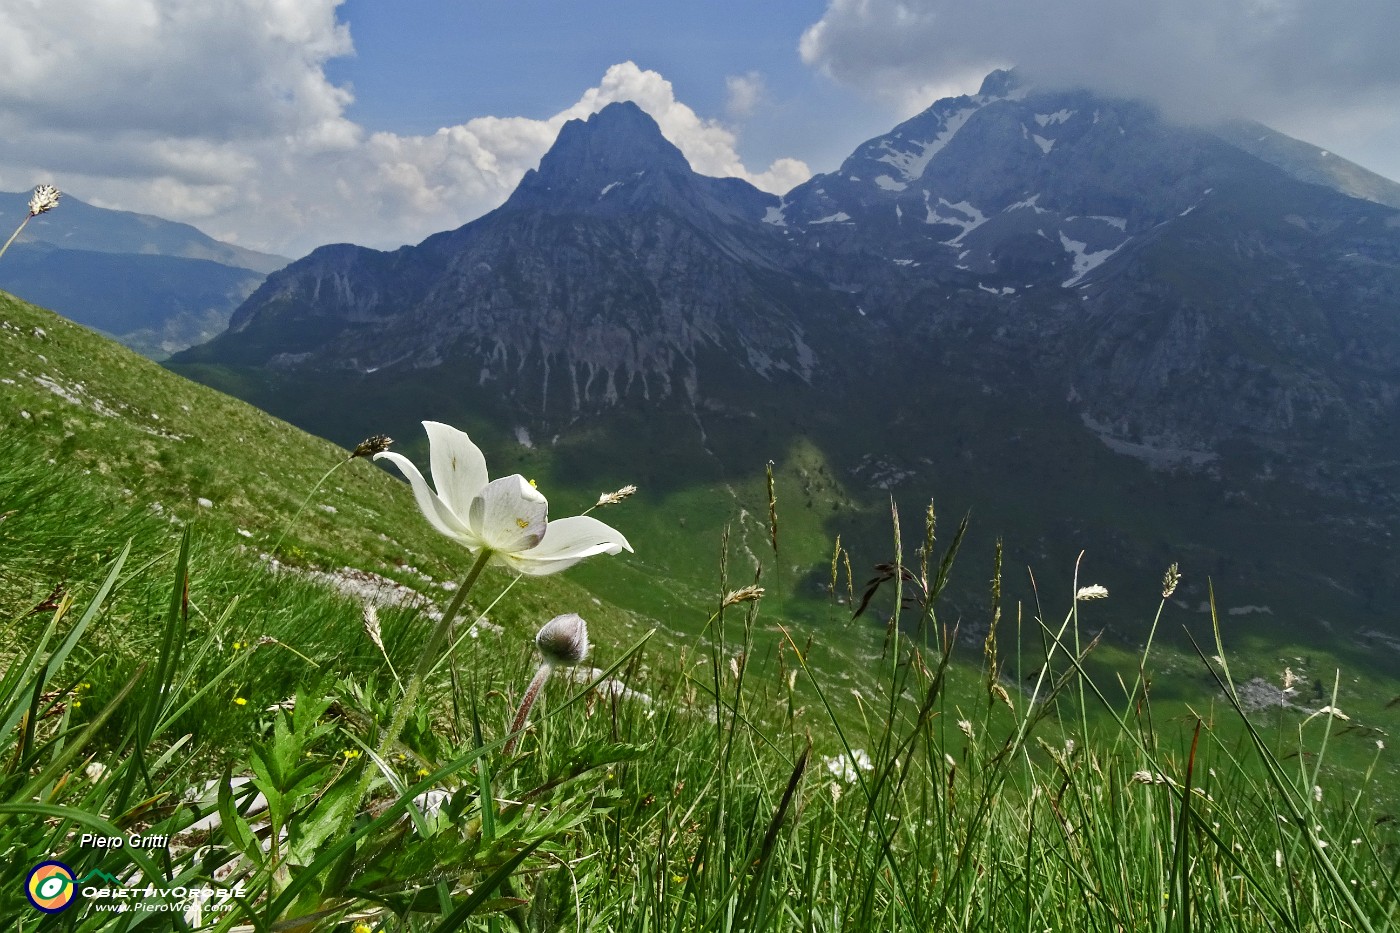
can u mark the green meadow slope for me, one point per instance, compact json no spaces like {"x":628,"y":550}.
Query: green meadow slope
{"x":113,"y":447}
{"x":129,"y":437}
{"x":126,"y":442}
{"x":782,"y":772}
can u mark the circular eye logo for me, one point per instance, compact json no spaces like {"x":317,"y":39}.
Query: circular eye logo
{"x":50,"y":886}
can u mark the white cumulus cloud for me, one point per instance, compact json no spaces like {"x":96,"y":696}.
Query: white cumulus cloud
{"x":220,"y":113}
{"x":746,"y":92}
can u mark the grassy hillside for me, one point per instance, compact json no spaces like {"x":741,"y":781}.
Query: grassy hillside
{"x":146,"y":442}
{"x":753,"y":764}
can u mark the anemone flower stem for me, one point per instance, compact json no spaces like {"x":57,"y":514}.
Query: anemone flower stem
{"x":531,"y":694}
{"x":420,"y":673}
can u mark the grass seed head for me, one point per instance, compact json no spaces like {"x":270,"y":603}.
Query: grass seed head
{"x":372,"y":627}
{"x":1169,"y":581}
{"x":44,"y":200}
{"x":374,"y":444}
{"x":613,"y":498}
{"x":745,"y":594}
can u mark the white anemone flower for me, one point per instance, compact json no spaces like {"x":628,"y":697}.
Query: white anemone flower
{"x":507,"y":516}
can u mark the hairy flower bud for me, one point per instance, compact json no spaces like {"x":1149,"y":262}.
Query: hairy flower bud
{"x":563,"y":640}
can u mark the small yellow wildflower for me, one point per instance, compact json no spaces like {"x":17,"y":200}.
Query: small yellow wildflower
{"x":351,"y":753}
{"x":363,"y":927}
{"x":240,"y":701}
{"x":237,"y":645}
{"x":76,"y":703}
{"x":423,"y":772}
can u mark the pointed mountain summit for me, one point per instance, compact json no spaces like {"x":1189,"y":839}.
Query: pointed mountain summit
{"x":608,"y":273}
{"x":619,"y":141}
{"x":618,"y":162}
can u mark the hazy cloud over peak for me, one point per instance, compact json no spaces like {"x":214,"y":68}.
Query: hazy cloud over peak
{"x":1305,"y":66}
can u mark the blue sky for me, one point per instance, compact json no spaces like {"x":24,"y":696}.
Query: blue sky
{"x":285,"y":124}
{"x":467,"y":59}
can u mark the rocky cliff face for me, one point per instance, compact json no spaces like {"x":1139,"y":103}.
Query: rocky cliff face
{"x":1185,"y":296}
{"x":607,"y":274}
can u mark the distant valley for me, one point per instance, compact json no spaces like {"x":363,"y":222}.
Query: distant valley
{"x":155,"y":285}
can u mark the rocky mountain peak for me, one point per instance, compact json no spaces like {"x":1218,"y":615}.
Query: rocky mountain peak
{"x":1004,"y":82}
{"x":617,"y":142}
{"x":617,"y":162}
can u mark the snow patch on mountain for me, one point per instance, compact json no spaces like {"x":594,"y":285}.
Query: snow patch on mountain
{"x":1029,"y":203}
{"x":970,"y":220}
{"x":911,"y":163}
{"x":1120,"y":222}
{"x":1050,"y":119}
{"x":889,"y":184}
{"x":839,"y":217}
{"x":1084,"y":261}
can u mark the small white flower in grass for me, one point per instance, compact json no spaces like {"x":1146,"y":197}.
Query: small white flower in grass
{"x":508,"y":516}
{"x":1278,"y":858}
{"x":1317,"y":793}
{"x":1328,"y":711}
{"x":844,"y":767}
{"x":1092,"y":592}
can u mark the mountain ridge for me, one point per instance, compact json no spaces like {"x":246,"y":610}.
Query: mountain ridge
{"x":155,"y":285}
{"x":1051,"y":296}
